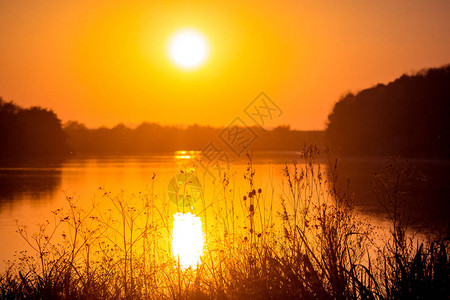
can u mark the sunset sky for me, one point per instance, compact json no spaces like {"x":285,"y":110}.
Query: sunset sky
{"x":105,"y":62}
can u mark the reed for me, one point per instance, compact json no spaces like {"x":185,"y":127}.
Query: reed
{"x":308,"y":243}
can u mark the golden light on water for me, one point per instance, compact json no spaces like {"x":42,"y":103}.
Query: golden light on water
{"x":188,"y":240}
{"x":183,"y":154}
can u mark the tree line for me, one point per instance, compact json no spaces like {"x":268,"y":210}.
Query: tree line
{"x":409,"y":117}
{"x":33,"y":131}
{"x":36,"y":131}
{"x":152,"y":137}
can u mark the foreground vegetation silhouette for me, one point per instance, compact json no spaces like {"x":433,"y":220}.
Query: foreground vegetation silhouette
{"x":308,"y":244}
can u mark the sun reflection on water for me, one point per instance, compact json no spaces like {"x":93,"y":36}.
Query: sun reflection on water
{"x":183,"y":154}
{"x":188,"y":240}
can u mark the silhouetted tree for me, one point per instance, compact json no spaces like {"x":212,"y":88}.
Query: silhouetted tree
{"x":31,"y":131}
{"x":409,"y":116}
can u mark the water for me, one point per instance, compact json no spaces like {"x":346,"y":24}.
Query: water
{"x":29,"y":191}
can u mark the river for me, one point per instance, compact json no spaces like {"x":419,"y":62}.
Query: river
{"x":31,"y":190}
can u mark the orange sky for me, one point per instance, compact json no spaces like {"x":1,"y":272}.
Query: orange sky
{"x":104,"y":62}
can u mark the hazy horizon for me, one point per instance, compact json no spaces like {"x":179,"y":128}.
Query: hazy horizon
{"x":103,"y":63}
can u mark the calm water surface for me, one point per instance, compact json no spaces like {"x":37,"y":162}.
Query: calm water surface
{"x":30,"y":191}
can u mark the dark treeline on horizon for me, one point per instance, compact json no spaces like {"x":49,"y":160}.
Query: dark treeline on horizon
{"x":33,"y":131}
{"x":37,"y":131}
{"x":409,"y":117}
{"x":151,"y":137}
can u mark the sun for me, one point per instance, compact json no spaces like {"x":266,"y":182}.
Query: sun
{"x":188,"y":49}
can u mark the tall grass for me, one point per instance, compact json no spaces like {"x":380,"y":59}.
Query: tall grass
{"x":308,"y":243}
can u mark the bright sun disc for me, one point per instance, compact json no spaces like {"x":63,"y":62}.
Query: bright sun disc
{"x":188,"y":49}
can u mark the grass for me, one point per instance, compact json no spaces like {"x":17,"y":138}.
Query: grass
{"x":309,"y":243}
